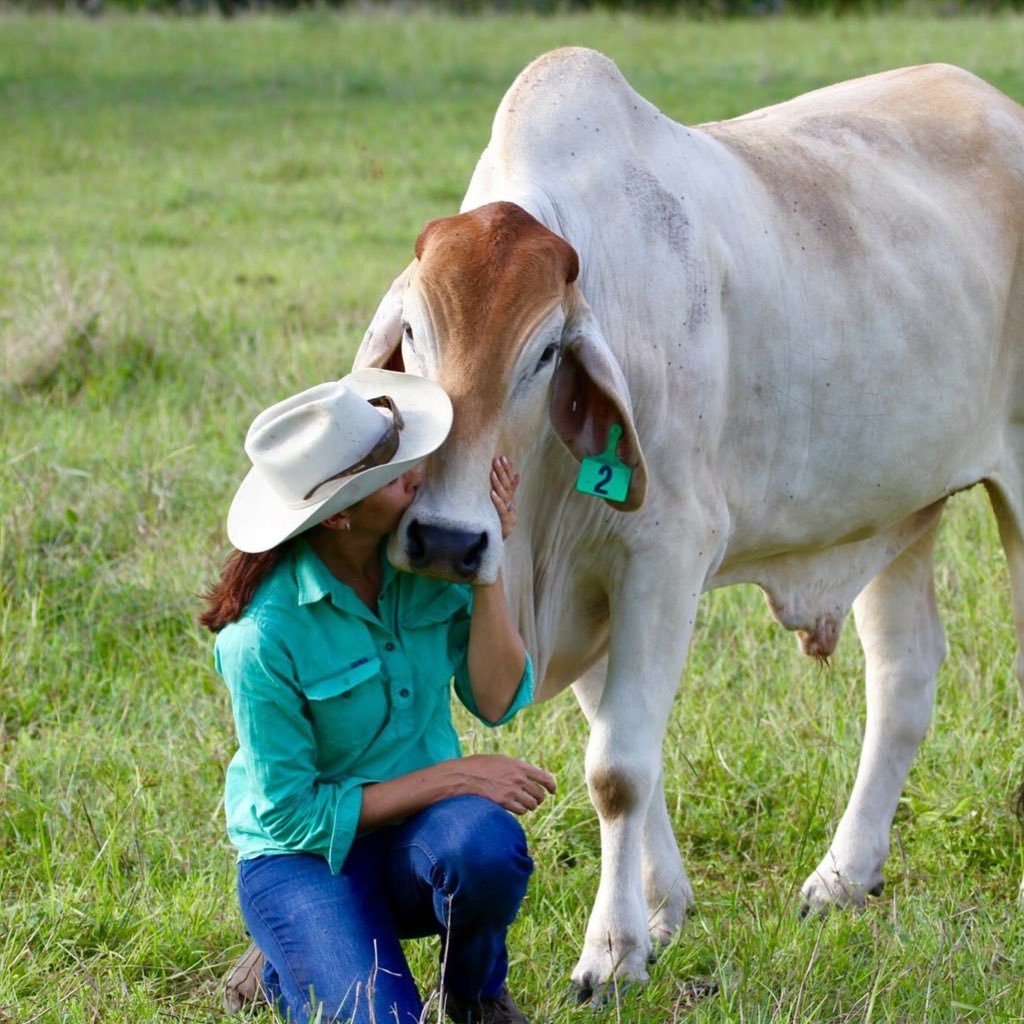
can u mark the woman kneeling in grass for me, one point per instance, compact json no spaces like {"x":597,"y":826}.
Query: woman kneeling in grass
{"x":357,"y":821}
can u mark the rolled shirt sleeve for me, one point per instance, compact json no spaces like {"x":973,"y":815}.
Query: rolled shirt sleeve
{"x":523,"y":695}
{"x":458,"y":648}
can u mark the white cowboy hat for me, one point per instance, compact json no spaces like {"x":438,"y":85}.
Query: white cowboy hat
{"x":326,"y":448}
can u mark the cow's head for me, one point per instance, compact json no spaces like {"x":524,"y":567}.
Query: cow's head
{"x":490,"y":309}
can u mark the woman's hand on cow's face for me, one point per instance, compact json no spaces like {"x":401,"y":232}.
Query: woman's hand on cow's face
{"x":513,"y":784}
{"x":504,"y":481}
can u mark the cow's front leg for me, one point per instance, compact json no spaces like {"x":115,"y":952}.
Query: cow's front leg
{"x":667,"y":889}
{"x":904,"y":644}
{"x":650,"y":635}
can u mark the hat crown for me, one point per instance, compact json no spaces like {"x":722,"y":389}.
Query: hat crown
{"x":328,"y":447}
{"x":305,"y":440}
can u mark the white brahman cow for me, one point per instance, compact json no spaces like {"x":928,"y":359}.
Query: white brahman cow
{"x":809,"y":324}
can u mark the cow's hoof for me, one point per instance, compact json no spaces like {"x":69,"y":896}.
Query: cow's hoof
{"x":825,"y":890}
{"x":597,"y":997}
{"x":601,"y":977}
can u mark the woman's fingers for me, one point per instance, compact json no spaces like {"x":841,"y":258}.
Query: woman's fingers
{"x":504,"y":480}
{"x":507,"y":477}
{"x":534,"y":785}
{"x":516,"y":785}
{"x":503,"y":489}
{"x":546,"y":779}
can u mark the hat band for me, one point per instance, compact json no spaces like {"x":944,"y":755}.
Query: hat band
{"x":382,"y":452}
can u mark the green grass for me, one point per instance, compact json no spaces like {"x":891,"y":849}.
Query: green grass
{"x":198,"y":218}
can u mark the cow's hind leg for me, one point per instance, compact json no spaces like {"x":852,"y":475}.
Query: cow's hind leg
{"x":1008,"y":516}
{"x":666,"y":883}
{"x":904,"y":645}
{"x":667,"y":887}
{"x":1013,"y":544}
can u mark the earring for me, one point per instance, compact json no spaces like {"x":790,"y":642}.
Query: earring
{"x":348,"y":525}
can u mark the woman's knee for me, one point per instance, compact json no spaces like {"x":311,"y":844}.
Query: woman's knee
{"x":486,"y":860}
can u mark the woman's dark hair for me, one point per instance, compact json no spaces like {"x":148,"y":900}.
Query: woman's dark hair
{"x":230,"y":595}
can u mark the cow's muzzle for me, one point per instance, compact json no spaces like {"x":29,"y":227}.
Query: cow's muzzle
{"x":437,"y":549}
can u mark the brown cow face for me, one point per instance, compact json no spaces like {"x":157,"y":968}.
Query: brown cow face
{"x":490,"y":310}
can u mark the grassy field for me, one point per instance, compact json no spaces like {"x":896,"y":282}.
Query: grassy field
{"x":197,"y":218}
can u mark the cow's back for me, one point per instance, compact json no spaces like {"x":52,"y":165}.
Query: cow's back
{"x":929,"y":132}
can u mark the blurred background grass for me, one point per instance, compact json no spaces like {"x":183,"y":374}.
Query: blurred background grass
{"x":198,"y":217}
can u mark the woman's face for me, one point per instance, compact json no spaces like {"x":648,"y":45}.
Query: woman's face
{"x":381,"y":511}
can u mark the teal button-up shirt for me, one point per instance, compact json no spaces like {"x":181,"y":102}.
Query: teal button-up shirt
{"x":327,"y":696}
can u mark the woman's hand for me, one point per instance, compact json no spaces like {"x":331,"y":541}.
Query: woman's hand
{"x":504,"y":482}
{"x":513,"y":784}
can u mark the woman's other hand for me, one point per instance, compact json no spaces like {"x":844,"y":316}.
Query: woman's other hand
{"x":516,"y":785}
{"x":513,"y":784}
{"x":504,"y":481}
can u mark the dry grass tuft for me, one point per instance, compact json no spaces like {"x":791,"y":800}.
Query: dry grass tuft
{"x":58,"y":330}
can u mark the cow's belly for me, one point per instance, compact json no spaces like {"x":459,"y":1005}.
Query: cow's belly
{"x":811,"y":591}
{"x":854,"y":493}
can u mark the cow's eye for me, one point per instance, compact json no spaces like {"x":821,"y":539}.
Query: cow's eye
{"x":547,"y":355}
{"x":407,"y":332}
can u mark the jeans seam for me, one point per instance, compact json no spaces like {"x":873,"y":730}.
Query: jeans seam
{"x":416,"y":844}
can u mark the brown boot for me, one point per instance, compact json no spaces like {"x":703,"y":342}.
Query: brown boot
{"x":243,"y":984}
{"x":497,"y":1010}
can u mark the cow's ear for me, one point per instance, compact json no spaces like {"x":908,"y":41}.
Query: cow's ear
{"x":589,"y":394}
{"x":382,"y":343}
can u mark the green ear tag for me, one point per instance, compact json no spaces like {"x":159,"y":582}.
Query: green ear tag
{"x":605,"y":475}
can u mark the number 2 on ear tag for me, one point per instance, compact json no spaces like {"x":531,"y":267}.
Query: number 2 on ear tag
{"x":605,"y":475}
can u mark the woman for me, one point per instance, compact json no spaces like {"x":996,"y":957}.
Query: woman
{"x":357,"y":821}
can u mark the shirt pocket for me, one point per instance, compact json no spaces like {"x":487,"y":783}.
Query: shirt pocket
{"x":349,"y":708}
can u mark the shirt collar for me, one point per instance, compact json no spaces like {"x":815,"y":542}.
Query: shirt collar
{"x":314,"y":581}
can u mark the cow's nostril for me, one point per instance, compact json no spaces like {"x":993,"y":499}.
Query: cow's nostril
{"x":415,"y":546}
{"x":444,"y":550}
{"x":470,"y":564}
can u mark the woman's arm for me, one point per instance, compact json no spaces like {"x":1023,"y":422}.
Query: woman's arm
{"x":497,"y":656}
{"x":515,"y":785}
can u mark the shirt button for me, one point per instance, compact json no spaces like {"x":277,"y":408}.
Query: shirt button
{"x":389,"y":646}
{"x":403,"y":693}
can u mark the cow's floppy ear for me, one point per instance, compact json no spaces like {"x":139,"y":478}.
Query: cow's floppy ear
{"x":589,"y":394}
{"x":382,"y":343}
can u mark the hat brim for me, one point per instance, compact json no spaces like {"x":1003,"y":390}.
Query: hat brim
{"x":258,"y":520}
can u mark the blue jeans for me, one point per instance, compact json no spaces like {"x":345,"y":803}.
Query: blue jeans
{"x":457,"y":869}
